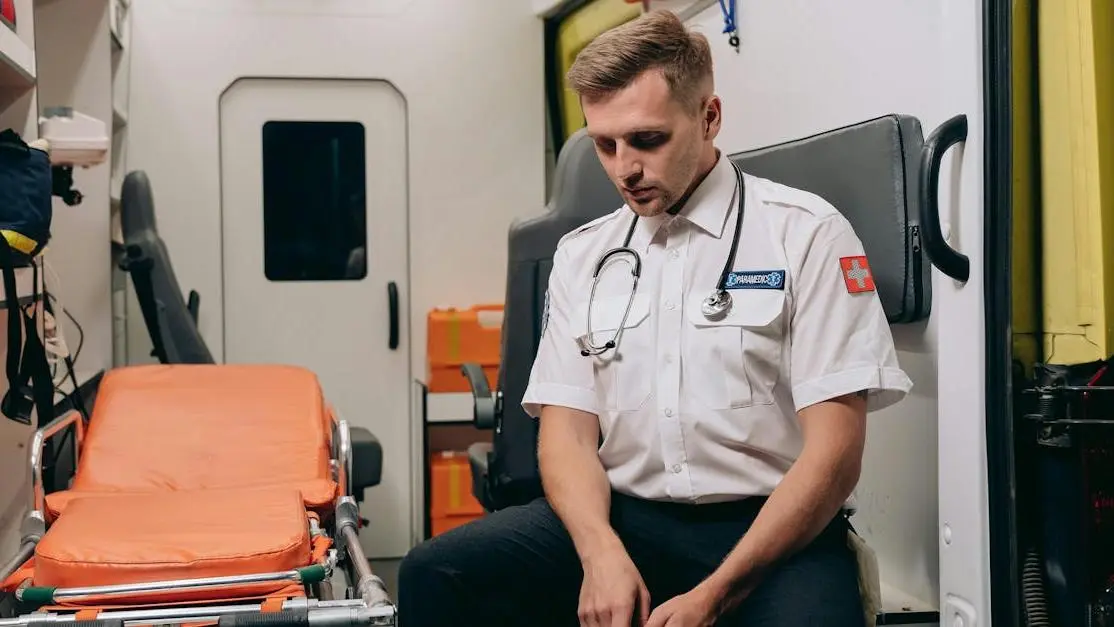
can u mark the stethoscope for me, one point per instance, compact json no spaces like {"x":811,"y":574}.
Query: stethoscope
{"x":714,"y":307}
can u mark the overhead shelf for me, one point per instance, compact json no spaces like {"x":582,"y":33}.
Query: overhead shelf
{"x":17,"y":60}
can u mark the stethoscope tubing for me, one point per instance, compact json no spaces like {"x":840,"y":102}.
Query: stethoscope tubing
{"x":716,"y":304}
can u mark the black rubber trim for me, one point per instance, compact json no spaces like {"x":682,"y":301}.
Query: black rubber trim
{"x":908,"y":618}
{"x":1005,"y":585}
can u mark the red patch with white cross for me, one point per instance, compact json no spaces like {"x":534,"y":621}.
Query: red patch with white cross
{"x":857,"y":274}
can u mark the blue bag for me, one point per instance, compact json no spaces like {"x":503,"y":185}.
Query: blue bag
{"x":26,"y":183}
{"x":25,"y":197}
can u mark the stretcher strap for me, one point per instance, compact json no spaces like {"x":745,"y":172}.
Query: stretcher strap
{"x":272,"y":604}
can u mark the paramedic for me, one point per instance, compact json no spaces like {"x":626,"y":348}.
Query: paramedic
{"x":697,"y":470}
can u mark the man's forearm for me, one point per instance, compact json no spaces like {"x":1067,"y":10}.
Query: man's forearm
{"x":574,"y":480}
{"x":803,"y":504}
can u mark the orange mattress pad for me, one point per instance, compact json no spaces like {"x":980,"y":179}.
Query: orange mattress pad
{"x":202,"y":427}
{"x":174,"y":535}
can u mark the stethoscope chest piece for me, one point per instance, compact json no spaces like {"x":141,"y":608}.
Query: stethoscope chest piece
{"x":716,"y":305}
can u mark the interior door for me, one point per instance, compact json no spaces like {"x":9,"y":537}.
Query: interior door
{"x":314,"y":223}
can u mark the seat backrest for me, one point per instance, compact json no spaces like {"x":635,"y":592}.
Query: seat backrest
{"x":175,"y":324}
{"x":869,"y":171}
{"x":581,"y":192}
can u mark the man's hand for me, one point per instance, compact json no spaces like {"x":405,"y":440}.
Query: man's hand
{"x":613,"y":593}
{"x":696,"y":608}
{"x":578,"y":491}
{"x":805,"y":501}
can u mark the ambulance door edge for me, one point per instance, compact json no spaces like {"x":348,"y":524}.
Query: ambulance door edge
{"x":1005,"y":598}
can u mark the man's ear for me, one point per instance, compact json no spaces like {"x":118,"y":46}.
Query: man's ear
{"x":713,"y":117}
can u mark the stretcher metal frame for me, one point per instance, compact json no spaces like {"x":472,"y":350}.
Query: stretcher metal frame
{"x":365,"y":602}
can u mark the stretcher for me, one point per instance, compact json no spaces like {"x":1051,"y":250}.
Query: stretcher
{"x":202,"y":495}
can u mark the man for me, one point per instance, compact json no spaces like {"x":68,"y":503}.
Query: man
{"x":696,"y":461}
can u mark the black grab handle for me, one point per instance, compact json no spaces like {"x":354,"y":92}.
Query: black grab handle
{"x":949,"y":261}
{"x":392,"y":304}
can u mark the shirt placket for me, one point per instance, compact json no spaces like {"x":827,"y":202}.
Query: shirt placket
{"x":669,"y":362}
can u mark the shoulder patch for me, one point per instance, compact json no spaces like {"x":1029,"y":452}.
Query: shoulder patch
{"x":857,"y":274}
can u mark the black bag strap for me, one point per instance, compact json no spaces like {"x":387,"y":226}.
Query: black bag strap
{"x":31,"y":367}
{"x":11,"y":407}
{"x":139,"y":266}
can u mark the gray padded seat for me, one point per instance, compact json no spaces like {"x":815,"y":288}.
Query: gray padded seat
{"x":505,"y":472}
{"x":172,"y":322}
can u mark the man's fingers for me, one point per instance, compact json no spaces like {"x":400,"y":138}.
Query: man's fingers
{"x":643,"y":604}
{"x":590,"y":617}
{"x":657,"y":618}
{"x":621,"y":614}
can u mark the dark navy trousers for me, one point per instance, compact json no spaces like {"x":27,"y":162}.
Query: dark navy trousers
{"x":518,"y":566}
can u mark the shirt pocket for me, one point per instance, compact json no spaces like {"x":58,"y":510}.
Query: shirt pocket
{"x":736,"y":362}
{"x":624,"y":374}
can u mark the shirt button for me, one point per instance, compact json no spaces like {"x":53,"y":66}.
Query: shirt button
{"x":670,"y":305}
{"x":673,"y":254}
{"x":676,"y":468}
{"x":668,"y":359}
{"x":668,"y":411}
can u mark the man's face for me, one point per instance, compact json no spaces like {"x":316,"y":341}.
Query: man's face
{"x":650,"y":146}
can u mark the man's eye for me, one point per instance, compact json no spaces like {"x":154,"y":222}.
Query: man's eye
{"x":605,"y":145}
{"x":648,"y":141}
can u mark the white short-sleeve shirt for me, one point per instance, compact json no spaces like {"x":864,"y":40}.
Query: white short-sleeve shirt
{"x":694,"y":410}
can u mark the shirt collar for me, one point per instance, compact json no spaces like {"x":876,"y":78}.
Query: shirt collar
{"x":711,"y":202}
{"x":708,"y":207}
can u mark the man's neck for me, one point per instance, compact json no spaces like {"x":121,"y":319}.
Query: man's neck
{"x":705,"y":169}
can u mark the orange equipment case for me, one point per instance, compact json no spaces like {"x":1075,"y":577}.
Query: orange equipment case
{"x":459,"y":336}
{"x":451,"y":502}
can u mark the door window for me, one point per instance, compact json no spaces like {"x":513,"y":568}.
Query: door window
{"x":314,"y":201}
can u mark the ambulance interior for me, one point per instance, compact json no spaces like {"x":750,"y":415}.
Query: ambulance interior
{"x":296,"y":255}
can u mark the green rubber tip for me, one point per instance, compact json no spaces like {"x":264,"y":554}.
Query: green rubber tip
{"x":38,"y":594}
{"x":312,"y":574}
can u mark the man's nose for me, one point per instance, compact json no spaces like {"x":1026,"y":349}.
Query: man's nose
{"x":630,"y":166}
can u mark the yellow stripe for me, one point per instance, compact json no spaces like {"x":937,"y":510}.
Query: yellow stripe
{"x":454,"y":337}
{"x":454,"y":486}
{"x":19,"y":241}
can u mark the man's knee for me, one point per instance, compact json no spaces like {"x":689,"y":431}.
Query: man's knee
{"x":820,"y":586}
{"x":421,"y":566}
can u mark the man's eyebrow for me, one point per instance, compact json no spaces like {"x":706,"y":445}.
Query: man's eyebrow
{"x":649,"y":130}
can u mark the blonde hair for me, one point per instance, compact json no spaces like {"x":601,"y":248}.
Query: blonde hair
{"x":654,"y":41}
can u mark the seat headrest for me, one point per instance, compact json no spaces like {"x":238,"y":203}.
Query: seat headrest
{"x":138,"y":203}
{"x":581,"y":188}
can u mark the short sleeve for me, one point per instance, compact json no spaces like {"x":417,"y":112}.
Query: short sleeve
{"x":840,"y":340}
{"x":560,"y":375}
